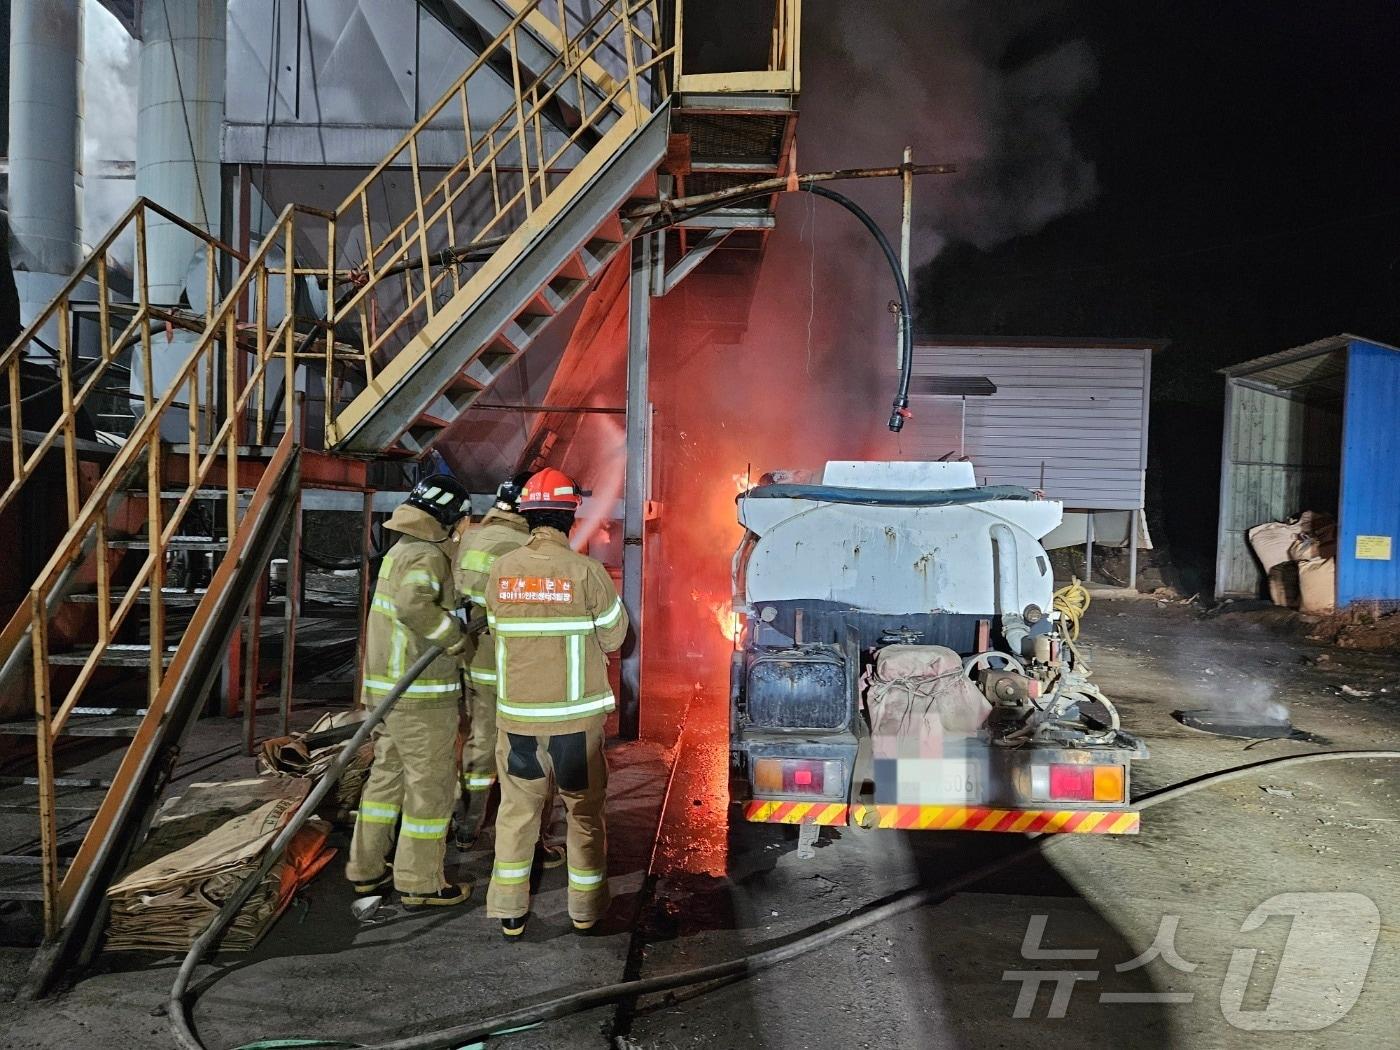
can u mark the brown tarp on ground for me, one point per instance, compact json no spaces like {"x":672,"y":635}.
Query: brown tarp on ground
{"x":200,"y":850}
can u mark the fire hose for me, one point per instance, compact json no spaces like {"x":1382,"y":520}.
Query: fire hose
{"x":562,"y":1006}
{"x":899,"y":411}
{"x":178,"y":1015}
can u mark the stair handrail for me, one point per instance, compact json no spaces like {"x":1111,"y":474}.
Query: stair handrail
{"x":222,"y":442}
{"x":75,"y":389}
{"x":522,"y":121}
{"x":146,"y":440}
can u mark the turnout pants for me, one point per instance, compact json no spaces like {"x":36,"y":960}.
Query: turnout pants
{"x":413,"y":784}
{"x":479,"y":754}
{"x":526,"y":764}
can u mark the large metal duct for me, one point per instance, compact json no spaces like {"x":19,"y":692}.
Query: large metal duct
{"x":46,"y":159}
{"x":180,"y":116}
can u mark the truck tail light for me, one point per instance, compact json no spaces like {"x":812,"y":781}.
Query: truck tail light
{"x":1073,"y":782}
{"x":798,"y":776}
{"x":1108,"y":784}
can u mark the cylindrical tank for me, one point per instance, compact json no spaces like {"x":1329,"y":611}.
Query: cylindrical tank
{"x":46,"y":158}
{"x":179,"y":121}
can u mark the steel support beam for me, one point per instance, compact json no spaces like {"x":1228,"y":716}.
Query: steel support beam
{"x":635,"y":490}
{"x":687,"y":263}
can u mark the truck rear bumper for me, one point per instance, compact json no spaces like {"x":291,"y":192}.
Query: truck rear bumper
{"x":947,"y":818}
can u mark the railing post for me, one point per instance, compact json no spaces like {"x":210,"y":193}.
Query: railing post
{"x":328,"y":380}
{"x":43,"y":740}
{"x":155,"y":536}
{"x":70,"y":429}
{"x":290,"y":305}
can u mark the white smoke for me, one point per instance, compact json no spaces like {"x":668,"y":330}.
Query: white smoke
{"x":941,"y":76}
{"x":109,"y":117}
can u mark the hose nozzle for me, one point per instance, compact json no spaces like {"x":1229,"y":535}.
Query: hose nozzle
{"x":899,"y":413}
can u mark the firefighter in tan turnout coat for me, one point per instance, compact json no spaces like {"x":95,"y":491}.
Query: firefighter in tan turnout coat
{"x":502,"y":530}
{"x":555,"y":616}
{"x":412,"y":785}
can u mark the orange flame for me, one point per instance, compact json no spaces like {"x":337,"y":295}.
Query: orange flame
{"x":727,"y":619}
{"x":742,"y":482}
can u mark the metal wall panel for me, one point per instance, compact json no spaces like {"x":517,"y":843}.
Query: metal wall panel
{"x":1368,"y":558}
{"x":1280,"y":458}
{"x":1076,"y":416}
{"x":338,"y":82}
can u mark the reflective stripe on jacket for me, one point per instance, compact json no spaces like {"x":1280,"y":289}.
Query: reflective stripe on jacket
{"x":478,"y":548}
{"x":555,"y":615}
{"x":412,"y":608}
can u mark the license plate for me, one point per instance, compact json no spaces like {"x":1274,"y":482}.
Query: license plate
{"x":923,"y":781}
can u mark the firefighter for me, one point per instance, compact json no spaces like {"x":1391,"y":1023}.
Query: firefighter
{"x":413,"y":782}
{"x":501,"y":530}
{"x":555,"y":615}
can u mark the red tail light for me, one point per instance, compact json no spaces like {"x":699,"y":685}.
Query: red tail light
{"x":1071,"y":783}
{"x":799,"y":776}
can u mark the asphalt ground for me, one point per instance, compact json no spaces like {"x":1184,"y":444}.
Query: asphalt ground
{"x":1263,"y":897}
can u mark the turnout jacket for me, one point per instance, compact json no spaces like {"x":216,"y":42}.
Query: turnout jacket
{"x":477,"y":550}
{"x":413,"y":605}
{"x":555,"y":615}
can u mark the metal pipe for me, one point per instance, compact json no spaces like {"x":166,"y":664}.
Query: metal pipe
{"x":1133,"y":519}
{"x":635,"y":492}
{"x":779,"y":184}
{"x":561,"y":409}
{"x":1008,"y":588}
{"x":906,"y":178}
{"x":1088,"y":547}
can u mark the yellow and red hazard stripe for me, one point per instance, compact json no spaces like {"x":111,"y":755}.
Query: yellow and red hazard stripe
{"x":948,"y":818}
{"x":984,"y":818}
{"x":797,"y":812}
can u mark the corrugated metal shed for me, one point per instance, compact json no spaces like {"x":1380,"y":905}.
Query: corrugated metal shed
{"x":1316,"y":427}
{"x":1066,"y":416}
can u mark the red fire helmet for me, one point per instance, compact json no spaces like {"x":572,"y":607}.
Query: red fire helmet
{"x":550,"y":489}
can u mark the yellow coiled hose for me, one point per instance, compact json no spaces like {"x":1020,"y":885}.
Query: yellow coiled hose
{"x":1072,"y":602}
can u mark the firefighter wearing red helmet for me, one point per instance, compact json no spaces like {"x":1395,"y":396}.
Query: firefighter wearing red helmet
{"x":555,"y":616}
{"x":502,"y":530}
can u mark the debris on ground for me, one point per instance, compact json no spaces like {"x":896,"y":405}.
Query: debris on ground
{"x":1360,"y":694}
{"x":200,"y":850}
{"x":308,"y":755}
{"x":1377,"y":636}
{"x":1285,"y":792}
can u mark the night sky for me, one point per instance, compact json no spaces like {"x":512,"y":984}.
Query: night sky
{"x":1246,"y":157}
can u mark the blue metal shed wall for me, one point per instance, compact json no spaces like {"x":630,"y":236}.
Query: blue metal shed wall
{"x":1370,"y":503}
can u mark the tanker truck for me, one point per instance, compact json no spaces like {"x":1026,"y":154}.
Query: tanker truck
{"x":902,"y":659}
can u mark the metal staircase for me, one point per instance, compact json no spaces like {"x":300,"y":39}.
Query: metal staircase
{"x":425,"y":306}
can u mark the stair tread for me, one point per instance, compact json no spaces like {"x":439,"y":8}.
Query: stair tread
{"x":98,"y":725}
{"x":112,"y":656}
{"x":79,"y":783}
{"x":170,"y":595}
{"x":20,"y":880}
{"x":184,"y":543}
{"x":198,"y":493}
